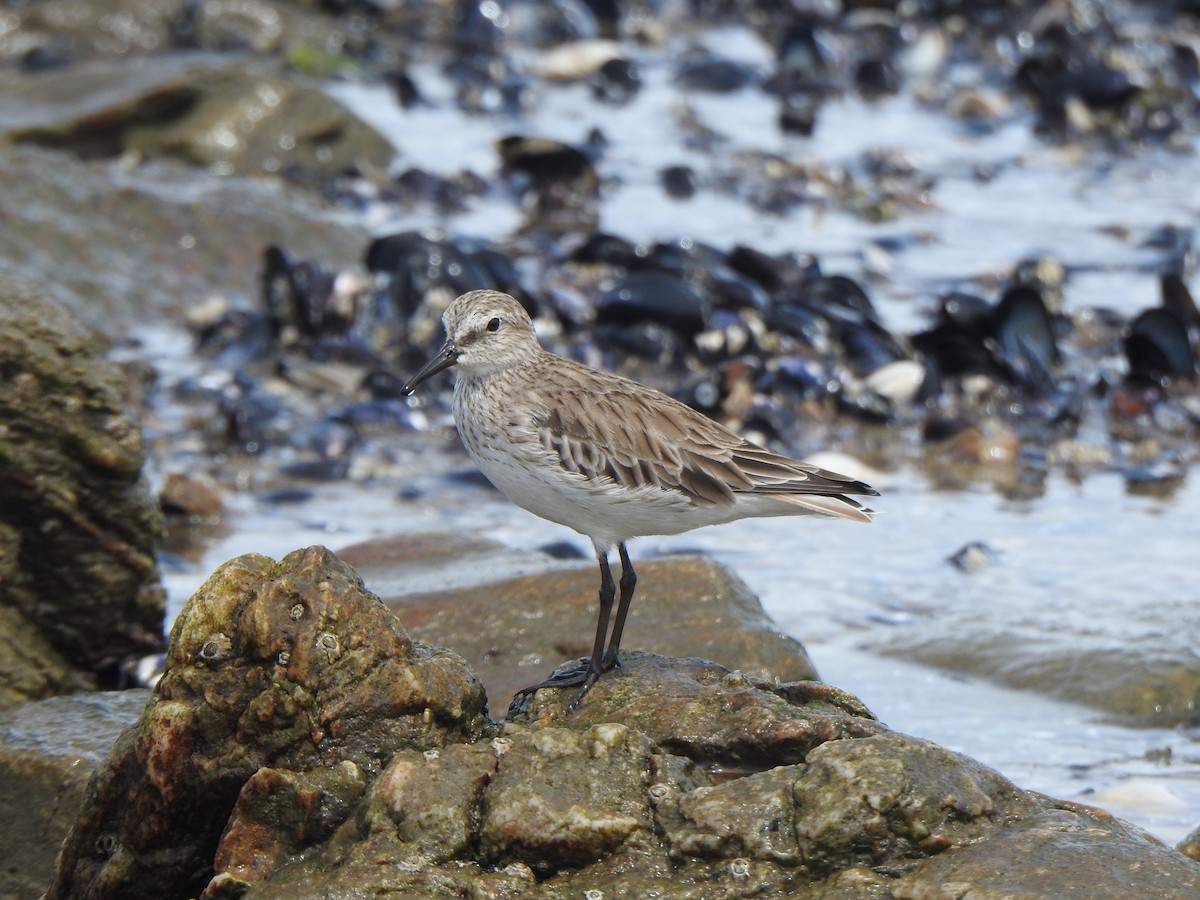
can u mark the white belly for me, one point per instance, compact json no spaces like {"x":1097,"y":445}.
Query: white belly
{"x":605,"y":512}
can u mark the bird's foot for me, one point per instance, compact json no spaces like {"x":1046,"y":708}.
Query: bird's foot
{"x":575,"y":674}
{"x":611,"y":661}
{"x":592,"y":678}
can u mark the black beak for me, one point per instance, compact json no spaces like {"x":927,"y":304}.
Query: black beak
{"x":446,"y":357}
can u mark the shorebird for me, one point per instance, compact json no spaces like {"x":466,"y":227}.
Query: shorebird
{"x":606,"y":456}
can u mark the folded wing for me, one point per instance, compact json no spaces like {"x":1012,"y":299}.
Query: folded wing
{"x":642,"y":438}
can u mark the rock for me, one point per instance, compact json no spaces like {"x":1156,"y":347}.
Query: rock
{"x":48,"y":749}
{"x":314,"y":802}
{"x":537,"y":815}
{"x":515,"y":615}
{"x":710,"y":714}
{"x":1190,"y":845}
{"x":191,"y":497}
{"x":79,"y":585}
{"x":222,"y":113}
{"x":368,"y":770}
{"x":287,"y":665}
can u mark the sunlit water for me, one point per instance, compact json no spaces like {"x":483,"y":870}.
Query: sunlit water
{"x":1080,"y":555}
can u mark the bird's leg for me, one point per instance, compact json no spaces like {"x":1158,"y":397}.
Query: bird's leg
{"x":628,"y":583}
{"x":608,"y":592}
{"x":584,"y":672}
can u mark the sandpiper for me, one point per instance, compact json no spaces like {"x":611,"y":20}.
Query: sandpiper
{"x":606,"y":456}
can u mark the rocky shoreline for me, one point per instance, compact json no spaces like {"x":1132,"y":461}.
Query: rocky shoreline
{"x":189,"y":169}
{"x":301,"y":744}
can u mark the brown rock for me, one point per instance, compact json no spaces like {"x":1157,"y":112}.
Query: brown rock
{"x":280,"y":813}
{"x":199,"y":235}
{"x":565,"y":798}
{"x":891,"y":796}
{"x":274,"y":763}
{"x":228,"y":114}
{"x":187,"y":495}
{"x":430,"y":801}
{"x":287,"y":665}
{"x":1190,"y":845}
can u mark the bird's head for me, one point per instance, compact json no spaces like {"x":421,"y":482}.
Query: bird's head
{"x":486,"y":332}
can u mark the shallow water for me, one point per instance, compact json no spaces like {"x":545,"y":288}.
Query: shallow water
{"x":1081,"y":558}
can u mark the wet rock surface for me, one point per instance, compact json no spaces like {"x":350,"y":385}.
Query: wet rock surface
{"x":152,"y":243}
{"x":373,"y":772}
{"x":48,"y":751}
{"x":79,"y":584}
{"x":116,"y":117}
{"x":515,"y":630}
{"x":1150,"y":678}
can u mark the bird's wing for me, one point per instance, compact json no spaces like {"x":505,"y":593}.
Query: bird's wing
{"x":640,"y":437}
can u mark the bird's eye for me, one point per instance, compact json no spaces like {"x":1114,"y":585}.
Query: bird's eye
{"x":493,"y":324}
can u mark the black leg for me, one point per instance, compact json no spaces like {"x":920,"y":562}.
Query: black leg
{"x":608,"y":591}
{"x":586,"y":671}
{"x":628,"y":583}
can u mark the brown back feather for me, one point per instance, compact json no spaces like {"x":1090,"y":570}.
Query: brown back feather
{"x":637,"y":436}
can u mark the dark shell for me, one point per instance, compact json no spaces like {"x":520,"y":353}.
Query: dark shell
{"x":411,"y":265}
{"x":544,"y":161}
{"x":656,"y":297}
{"x":967,"y":312}
{"x":876,"y":78}
{"x":715,"y":75}
{"x":838,"y":297}
{"x":803,"y":323}
{"x":802,"y":59}
{"x":868,"y":346}
{"x":952,"y":351}
{"x":798,"y":114}
{"x":295,"y":294}
{"x":403,"y":87}
{"x":733,"y":290}
{"x":1024,"y":337}
{"x":799,"y":373}
{"x":678,"y":182}
{"x":1178,"y":299}
{"x":617,"y":82}
{"x":684,"y":256}
{"x":1157,"y":346}
{"x":650,"y":341}
{"x":772,"y":272}
{"x":609,"y":249}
